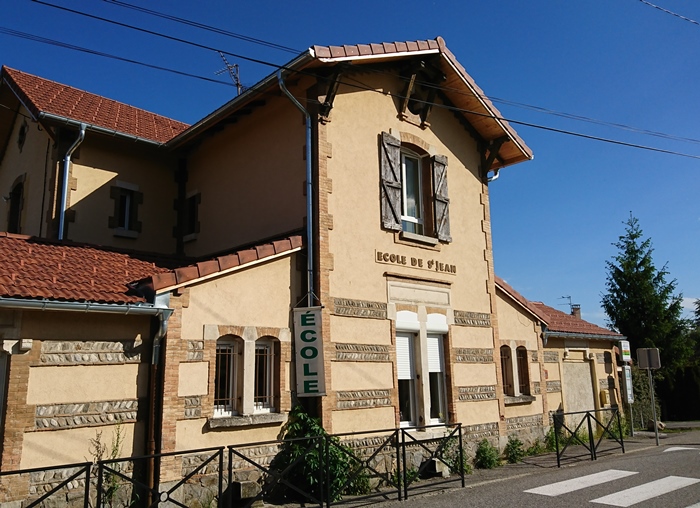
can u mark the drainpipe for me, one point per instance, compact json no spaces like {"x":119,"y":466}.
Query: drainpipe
{"x":64,"y":185}
{"x":495,"y":176}
{"x":309,"y":195}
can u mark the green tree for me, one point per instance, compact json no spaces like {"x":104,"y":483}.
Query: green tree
{"x":640,"y":302}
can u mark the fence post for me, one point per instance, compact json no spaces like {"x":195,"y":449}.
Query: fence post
{"x":403,"y":463}
{"x":229,"y":497}
{"x":398,"y":463}
{"x":591,"y":442}
{"x":86,"y":502}
{"x":556,"y":437}
{"x":461,"y":453}
{"x":619,"y":430}
{"x":324,"y":455}
{"x":98,"y":496}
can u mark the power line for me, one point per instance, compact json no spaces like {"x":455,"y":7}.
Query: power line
{"x":669,"y":12}
{"x":368,"y":88}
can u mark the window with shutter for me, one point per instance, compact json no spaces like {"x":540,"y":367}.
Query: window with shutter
{"x":414,"y":196}
{"x":406,"y":379}
{"x":436,"y":370}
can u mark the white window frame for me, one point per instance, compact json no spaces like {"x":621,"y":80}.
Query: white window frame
{"x":436,"y":364}
{"x":231,"y":406}
{"x":419,"y":220}
{"x":405,"y":343}
{"x":266,"y":348}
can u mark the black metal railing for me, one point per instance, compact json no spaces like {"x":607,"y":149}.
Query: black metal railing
{"x":580,"y":431}
{"x":380,"y":464}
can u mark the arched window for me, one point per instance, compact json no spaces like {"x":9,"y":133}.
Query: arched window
{"x":265,"y":396}
{"x":523,"y":372}
{"x":228,"y":377}
{"x":507,"y":371}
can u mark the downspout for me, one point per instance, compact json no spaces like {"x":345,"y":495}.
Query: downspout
{"x":496,"y":174}
{"x":309,"y":196}
{"x":64,"y":184}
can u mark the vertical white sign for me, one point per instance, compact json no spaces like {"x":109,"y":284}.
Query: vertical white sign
{"x":308,"y":342}
{"x":627,"y":370}
{"x":626,"y":353}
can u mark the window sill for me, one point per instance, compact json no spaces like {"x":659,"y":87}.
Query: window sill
{"x":125,"y":233}
{"x":510,"y":400}
{"x":226,"y":422}
{"x":415,"y":240}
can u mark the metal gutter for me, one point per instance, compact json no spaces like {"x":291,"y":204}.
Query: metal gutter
{"x":102,"y":308}
{"x":97,"y":128}
{"x":224,"y":110}
{"x":572,"y":335}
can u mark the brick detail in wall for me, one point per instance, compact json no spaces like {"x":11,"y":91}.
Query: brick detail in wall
{"x":600,"y":357}
{"x":473,"y":355}
{"x":536,"y":390}
{"x":607,"y":383}
{"x":359,"y":308}
{"x":523,"y":422}
{"x":553,"y":386}
{"x":193,"y":407}
{"x":534,"y":357}
{"x":480,"y":431}
{"x":195,"y":350}
{"x":363,"y":399}
{"x":550,"y":356}
{"x":477,"y":319}
{"x":90,"y":352}
{"x":476,"y":393}
{"x":361,"y":353}
{"x":85,"y":414}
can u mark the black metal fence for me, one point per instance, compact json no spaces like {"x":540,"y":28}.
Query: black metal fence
{"x":588,"y":429}
{"x":320,"y":470}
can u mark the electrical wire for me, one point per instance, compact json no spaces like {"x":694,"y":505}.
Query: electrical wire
{"x":669,"y":12}
{"x":368,"y":88}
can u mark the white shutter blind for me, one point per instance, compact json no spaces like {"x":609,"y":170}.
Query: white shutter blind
{"x":434,"y":353}
{"x":404,"y":356}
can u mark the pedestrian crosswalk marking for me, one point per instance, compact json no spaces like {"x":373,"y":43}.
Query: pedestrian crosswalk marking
{"x":640,"y":493}
{"x":556,"y":489}
{"x":678,"y":448}
{"x":696,"y":505}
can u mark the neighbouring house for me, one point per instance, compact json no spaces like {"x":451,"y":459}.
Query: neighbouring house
{"x":322,"y":188}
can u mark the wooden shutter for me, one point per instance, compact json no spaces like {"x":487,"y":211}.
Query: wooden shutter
{"x":404,"y":356}
{"x":441,"y":201}
{"x":390,"y":162}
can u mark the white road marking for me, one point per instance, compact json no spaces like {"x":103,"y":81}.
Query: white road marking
{"x":678,"y":448}
{"x":646,"y":491}
{"x":556,"y":489}
{"x":696,"y":505}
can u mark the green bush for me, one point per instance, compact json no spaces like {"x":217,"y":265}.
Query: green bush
{"x":450,"y":455}
{"x":306,"y":473}
{"x":514,"y":451}
{"x":486,"y":456}
{"x":536,"y":449}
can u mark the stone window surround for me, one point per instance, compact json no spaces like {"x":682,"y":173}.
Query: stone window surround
{"x":516,"y":397}
{"x":249,"y":335}
{"x":136,"y":198}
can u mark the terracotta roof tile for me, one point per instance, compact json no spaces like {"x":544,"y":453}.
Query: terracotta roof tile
{"x":45,"y":96}
{"x":222,"y":263}
{"x":35,"y":268}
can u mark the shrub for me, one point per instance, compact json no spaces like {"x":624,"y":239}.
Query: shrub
{"x":536,"y":448}
{"x":514,"y":450}
{"x":486,"y":456}
{"x":451,"y":457}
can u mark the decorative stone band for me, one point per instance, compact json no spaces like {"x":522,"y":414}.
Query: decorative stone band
{"x":476,"y":393}
{"x":85,"y":414}
{"x":359,"y":308}
{"x":479,"y":319}
{"x":606,"y":383}
{"x":553,"y":386}
{"x":193,"y":407}
{"x":363,"y":399}
{"x":550,"y":356}
{"x":90,"y":352}
{"x":361,"y":353}
{"x":534,"y":357}
{"x":536,"y":388}
{"x":480,"y":431}
{"x":523,"y":422}
{"x":195,"y":350}
{"x":600,"y":357}
{"x":473,"y":355}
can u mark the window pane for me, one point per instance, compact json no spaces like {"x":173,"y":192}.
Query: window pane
{"x":523,"y":374}
{"x":412,"y":207}
{"x":224,"y":391}
{"x":124,"y":213}
{"x":437,"y":397}
{"x":406,"y":404}
{"x":262,"y":397}
{"x":507,"y":371}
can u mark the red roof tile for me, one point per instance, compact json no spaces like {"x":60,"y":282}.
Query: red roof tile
{"x":192,"y":273}
{"x":556,"y":320}
{"x":44,"y":96}
{"x":35,"y":268}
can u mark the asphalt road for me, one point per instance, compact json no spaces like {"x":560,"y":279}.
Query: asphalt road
{"x":666,"y":476}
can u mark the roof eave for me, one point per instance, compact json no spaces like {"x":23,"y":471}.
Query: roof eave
{"x":578,"y":335}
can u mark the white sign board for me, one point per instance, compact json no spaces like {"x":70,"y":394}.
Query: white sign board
{"x":625,"y":351}
{"x":308,"y":342}
{"x":627,"y":382}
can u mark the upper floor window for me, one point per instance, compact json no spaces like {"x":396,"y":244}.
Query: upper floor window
{"x":16,"y":200}
{"x":190,"y":218}
{"x":414,"y":195}
{"x":127,"y":199}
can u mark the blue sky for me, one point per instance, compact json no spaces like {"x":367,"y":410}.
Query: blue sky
{"x":553,"y":219}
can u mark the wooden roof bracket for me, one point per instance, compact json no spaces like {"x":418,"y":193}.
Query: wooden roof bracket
{"x":407,"y":96}
{"x":492,"y":147}
{"x":333,"y":84}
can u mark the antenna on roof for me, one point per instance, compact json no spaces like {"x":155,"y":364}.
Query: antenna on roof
{"x":232,"y":72}
{"x":566,"y":298}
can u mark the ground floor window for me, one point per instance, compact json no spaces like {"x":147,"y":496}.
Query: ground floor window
{"x":226,"y":385}
{"x":405,"y":362}
{"x":436,"y":368}
{"x":264,"y":398}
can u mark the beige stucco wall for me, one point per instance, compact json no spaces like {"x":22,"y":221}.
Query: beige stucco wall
{"x":99,"y":166}
{"x":250,"y":177}
{"x":472,"y":413}
{"x":358,"y":119}
{"x":361,"y":376}
{"x":190,"y":435}
{"x":360,"y":330}
{"x":471,"y":337}
{"x":363,"y":419}
{"x":70,"y":446}
{"x":257,"y":296}
{"x":48,"y":325}
{"x":35,"y":161}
